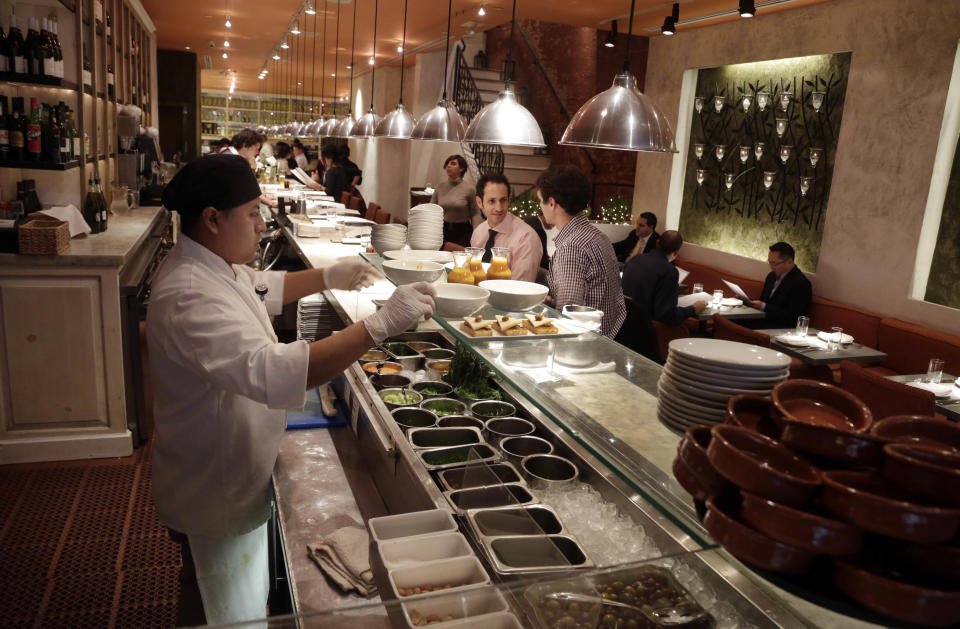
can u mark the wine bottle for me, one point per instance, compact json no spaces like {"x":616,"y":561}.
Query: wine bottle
{"x":18,"y":129}
{"x":33,"y":51}
{"x":74,"y":136}
{"x":31,"y":202}
{"x":18,"y":62}
{"x":91,"y":212}
{"x":51,"y":135}
{"x":33,"y":145}
{"x":101,"y":202}
{"x":47,"y":49}
{"x":55,"y":45}
{"x":4,"y":130}
{"x":65,"y":151}
{"x":4,"y":52}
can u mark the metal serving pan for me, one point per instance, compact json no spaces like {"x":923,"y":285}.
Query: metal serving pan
{"x":480,"y":475}
{"x":532,"y":554}
{"x":510,"y":494}
{"x":426,"y":438}
{"x":437,"y":458}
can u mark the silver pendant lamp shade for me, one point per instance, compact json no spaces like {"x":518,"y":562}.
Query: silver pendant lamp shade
{"x":442,"y":124}
{"x":328,"y":127}
{"x":621,"y":117}
{"x":366,"y":127}
{"x":397,"y":124}
{"x":505,"y":121}
{"x":344,"y":128}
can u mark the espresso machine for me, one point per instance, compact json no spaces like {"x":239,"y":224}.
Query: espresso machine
{"x":140,"y":159}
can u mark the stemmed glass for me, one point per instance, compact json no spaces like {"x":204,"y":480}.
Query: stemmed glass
{"x":816,"y":100}
{"x":805,"y":183}
{"x":718,"y":103}
{"x":698,"y":104}
{"x":768,"y":177}
{"x":763,"y":99}
{"x":744,"y":154}
{"x":720,"y":151}
{"x":781,"y":127}
{"x":815,"y":155}
{"x":785,"y":152}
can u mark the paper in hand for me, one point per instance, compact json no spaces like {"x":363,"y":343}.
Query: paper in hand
{"x":683,"y":275}
{"x":738,"y":291}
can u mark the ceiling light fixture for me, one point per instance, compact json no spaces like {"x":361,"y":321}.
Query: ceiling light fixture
{"x":399,"y":49}
{"x":670,"y":22}
{"x":371,"y":61}
{"x":309,"y":9}
{"x":276,"y":56}
{"x":227,"y":24}
{"x":611,"y":39}
{"x":442,"y":123}
{"x":349,"y":67}
{"x":481,"y":12}
{"x":506,"y":121}
{"x":621,"y":117}
{"x":284,"y":44}
{"x":226,"y":43}
{"x":366,"y":126}
{"x":224,"y":55}
{"x":398,"y":123}
{"x":747,"y":8}
{"x":296,"y":27}
{"x":187,"y":47}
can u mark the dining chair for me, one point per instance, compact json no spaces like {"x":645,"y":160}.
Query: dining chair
{"x":382,"y":217}
{"x":371,"y":213}
{"x":345,"y":198}
{"x":452,"y":246}
{"x":885,"y":397}
{"x":667,"y":333}
{"x":637,"y":332}
{"x":398,"y":220}
{"x":727,"y":330}
{"x":356,"y":203}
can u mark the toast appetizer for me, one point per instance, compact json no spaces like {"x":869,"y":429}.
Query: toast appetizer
{"x":508,"y":326}
{"x":477,"y":326}
{"x":540,"y":324}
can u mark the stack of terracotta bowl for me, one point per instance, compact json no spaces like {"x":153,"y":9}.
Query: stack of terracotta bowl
{"x":701,"y":375}
{"x":806,"y":482}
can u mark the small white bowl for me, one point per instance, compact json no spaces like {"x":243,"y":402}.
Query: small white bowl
{"x":459,"y":300}
{"x":514,"y":294}
{"x":410,"y":271}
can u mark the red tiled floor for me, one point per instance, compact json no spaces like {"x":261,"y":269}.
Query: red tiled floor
{"x":81,"y":546}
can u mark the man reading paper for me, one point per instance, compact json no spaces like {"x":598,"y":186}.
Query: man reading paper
{"x":787,"y":292}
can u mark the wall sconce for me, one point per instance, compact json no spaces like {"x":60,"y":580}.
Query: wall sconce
{"x":805,"y":183}
{"x":728,"y":180}
{"x":758,"y":149}
{"x":611,"y":39}
{"x":744,"y":154}
{"x":816,"y":100}
{"x":698,"y":104}
{"x":701,"y":175}
{"x":781,"y":127}
{"x":763,"y":99}
{"x":785,"y":98}
{"x":698,"y":150}
{"x":718,"y":103}
{"x":746,"y":102}
{"x":785,"y":152}
{"x":815,"y":154}
{"x":720,"y":151}
{"x":768,"y":177}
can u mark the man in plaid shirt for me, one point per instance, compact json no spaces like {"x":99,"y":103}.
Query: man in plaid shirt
{"x":583,"y":269}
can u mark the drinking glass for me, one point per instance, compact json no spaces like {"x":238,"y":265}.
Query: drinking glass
{"x":698,"y":288}
{"x":836,"y":335}
{"x":803,"y":325}
{"x":717,"y":296}
{"x":935,"y":370}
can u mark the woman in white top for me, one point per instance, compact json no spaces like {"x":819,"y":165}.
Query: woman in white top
{"x":223,"y":383}
{"x":456,"y":197}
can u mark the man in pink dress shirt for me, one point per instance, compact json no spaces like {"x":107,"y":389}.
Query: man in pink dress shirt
{"x":503,"y":229}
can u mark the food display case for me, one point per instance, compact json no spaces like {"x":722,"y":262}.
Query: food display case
{"x":619,"y":518}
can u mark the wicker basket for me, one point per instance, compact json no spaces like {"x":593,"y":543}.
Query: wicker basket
{"x":43,"y":234}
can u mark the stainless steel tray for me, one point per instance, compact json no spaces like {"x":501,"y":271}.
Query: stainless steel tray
{"x":536,"y":519}
{"x":429,"y":438}
{"x":482,"y":453}
{"x":509,"y":494}
{"x":528,"y":554}
{"x":484,"y":475}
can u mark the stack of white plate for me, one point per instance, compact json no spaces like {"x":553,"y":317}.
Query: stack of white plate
{"x":388,"y":237}
{"x":701,"y":375}
{"x":425,"y":226}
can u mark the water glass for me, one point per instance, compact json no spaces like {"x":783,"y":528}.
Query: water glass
{"x":934,"y":370}
{"x":698,"y":288}
{"x":803,"y":325}
{"x":717,"y":296}
{"x":836,"y":336}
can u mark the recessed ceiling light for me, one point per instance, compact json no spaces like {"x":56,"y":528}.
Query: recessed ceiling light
{"x":310,"y":10}
{"x":481,"y":12}
{"x":227,"y":23}
{"x":349,"y":67}
{"x":187,"y":47}
{"x":399,"y":48}
{"x":276,"y":56}
{"x":284,"y":44}
{"x":371,"y":61}
{"x":224,"y":55}
{"x":226,"y":43}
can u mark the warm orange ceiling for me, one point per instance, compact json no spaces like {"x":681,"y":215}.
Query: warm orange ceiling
{"x":258,"y":27}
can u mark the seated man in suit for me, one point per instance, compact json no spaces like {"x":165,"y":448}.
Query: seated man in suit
{"x":787,"y":292}
{"x":643,"y":239}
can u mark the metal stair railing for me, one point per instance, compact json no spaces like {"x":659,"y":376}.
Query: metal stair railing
{"x":466,"y":96}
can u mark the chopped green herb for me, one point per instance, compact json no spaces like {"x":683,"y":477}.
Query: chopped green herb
{"x":399,"y":397}
{"x":470,"y":377}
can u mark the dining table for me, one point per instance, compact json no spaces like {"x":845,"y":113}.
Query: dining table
{"x":948,"y":407}
{"x":734,"y":313}
{"x":817,"y":354}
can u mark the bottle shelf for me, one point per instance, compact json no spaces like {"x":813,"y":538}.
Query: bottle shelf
{"x":36,"y":81}
{"x":26,"y":164}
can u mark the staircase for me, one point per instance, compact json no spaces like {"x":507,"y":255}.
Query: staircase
{"x":475,"y":88}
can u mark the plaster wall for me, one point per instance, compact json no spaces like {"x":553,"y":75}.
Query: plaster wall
{"x":900,"y":70}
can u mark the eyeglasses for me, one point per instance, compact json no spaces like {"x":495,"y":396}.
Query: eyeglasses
{"x":776,"y":262}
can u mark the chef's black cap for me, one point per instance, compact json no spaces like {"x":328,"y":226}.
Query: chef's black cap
{"x":221,"y":181}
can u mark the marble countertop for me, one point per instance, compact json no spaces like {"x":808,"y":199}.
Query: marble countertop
{"x":113,"y":247}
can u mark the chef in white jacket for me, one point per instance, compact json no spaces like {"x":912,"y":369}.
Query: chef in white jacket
{"x":223,"y":383}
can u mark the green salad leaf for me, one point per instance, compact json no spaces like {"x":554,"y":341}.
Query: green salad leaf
{"x":470,"y":377}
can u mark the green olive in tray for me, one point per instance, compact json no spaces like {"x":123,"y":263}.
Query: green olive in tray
{"x":400,"y":349}
{"x":399,"y":398}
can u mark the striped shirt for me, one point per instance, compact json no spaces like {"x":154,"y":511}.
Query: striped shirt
{"x":584,"y":271}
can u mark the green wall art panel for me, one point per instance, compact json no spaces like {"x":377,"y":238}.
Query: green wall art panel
{"x":943,"y":283}
{"x":762,"y":147}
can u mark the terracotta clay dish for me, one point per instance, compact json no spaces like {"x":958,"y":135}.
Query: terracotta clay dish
{"x":753,"y":412}
{"x":866,"y":500}
{"x":858,"y":448}
{"x":820,"y":404}
{"x":751,"y":546}
{"x":918,"y":429}
{"x":928,"y":471}
{"x":761,"y":465}
{"x":688,"y":480}
{"x":693,"y":452}
{"x":803,"y":529}
{"x":942,"y":560}
{"x":907,"y":601}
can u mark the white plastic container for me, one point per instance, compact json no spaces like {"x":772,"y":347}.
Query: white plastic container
{"x":463,"y":606}
{"x":461,"y":573}
{"x":405,"y":552}
{"x":411,"y":524}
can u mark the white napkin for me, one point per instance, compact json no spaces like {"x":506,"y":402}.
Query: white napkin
{"x":938,"y":389}
{"x":845,"y":339}
{"x":72,"y":216}
{"x":688,"y":300}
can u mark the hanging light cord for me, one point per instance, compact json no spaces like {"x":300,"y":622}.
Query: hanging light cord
{"x":509,"y":62}
{"x":353,"y":48}
{"x":403,"y":47}
{"x":313,"y":64}
{"x":336,"y":62}
{"x":373,"y":73}
{"x":446,"y":58}
{"x":626,"y":62}
{"x":323,"y":52}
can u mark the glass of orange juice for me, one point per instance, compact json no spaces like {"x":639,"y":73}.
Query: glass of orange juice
{"x":476,"y":263}
{"x":499,"y":266}
{"x":461,"y":273}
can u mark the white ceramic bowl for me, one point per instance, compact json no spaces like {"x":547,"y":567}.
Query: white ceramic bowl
{"x":514,"y":294}
{"x":410,"y":271}
{"x":459,"y":300}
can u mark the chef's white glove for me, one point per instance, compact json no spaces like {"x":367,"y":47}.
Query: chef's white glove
{"x":350,"y":274}
{"x":407,"y":305}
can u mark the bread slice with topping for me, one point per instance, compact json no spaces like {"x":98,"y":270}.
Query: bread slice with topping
{"x":540,"y":324}
{"x":508,"y":326}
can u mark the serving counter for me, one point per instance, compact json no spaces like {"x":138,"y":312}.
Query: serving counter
{"x":601,"y":415}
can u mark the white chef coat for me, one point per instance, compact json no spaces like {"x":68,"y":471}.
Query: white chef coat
{"x":222,"y":383}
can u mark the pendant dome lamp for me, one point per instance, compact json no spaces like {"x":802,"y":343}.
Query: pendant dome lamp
{"x":506,"y":121}
{"x":622,"y":117}
{"x":328,"y":127}
{"x":366,"y":127}
{"x":443,"y":123}
{"x":345,"y":126}
{"x":398,"y":123}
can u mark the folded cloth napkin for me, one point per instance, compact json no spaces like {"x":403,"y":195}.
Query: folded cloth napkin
{"x":345,"y":557}
{"x":72,"y":216}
